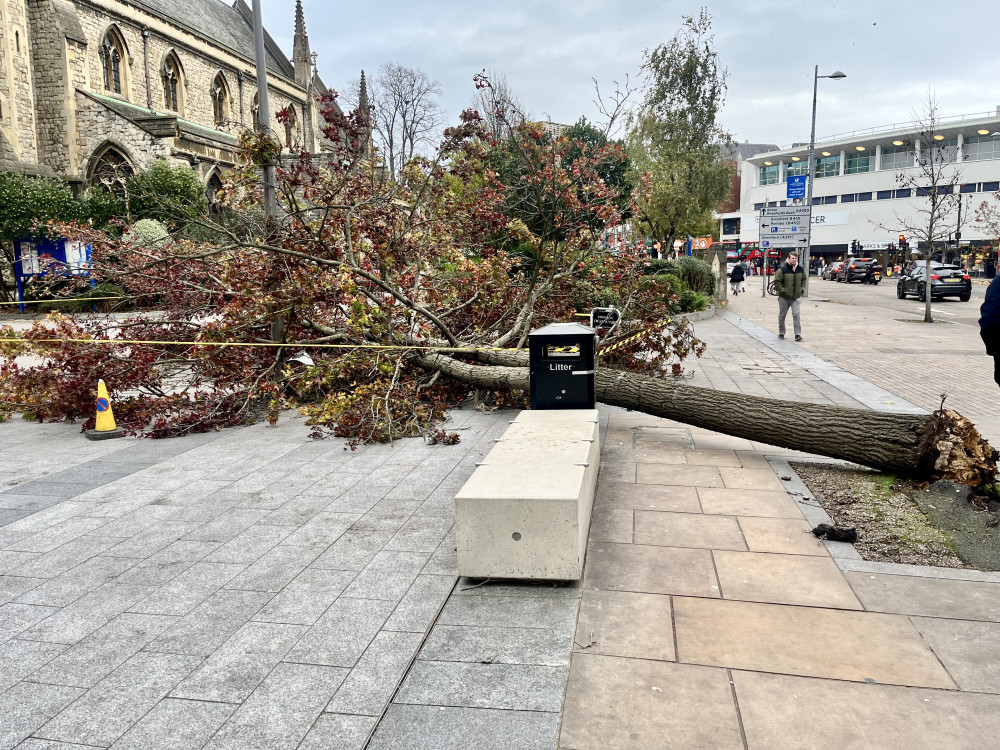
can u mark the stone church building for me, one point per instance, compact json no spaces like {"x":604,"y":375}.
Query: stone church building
{"x":91,"y":90}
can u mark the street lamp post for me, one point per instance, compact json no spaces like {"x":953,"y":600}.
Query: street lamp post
{"x":836,"y":75}
{"x":263,"y":106}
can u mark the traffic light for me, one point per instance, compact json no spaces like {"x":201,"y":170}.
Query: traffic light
{"x":739,"y":245}
{"x":902,"y":242}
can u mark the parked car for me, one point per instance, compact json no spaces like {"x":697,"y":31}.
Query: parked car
{"x":857,"y":268}
{"x":946,"y":281}
{"x":831,"y":270}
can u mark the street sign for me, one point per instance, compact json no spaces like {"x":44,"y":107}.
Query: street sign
{"x":785,"y":226}
{"x":796,"y":186}
{"x":604,"y":317}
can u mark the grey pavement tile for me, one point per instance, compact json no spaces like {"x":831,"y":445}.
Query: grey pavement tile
{"x":444,"y":561}
{"x":188,"y":589}
{"x":388,"y":515}
{"x":483,"y":644}
{"x":274,"y":570}
{"x":226,"y":526}
{"x":176,"y":725}
{"x":79,"y":581}
{"x":210,"y":624}
{"x":81,"y":618}
{"x":970,"y":651}
{"x":206,"y":510}
{"x":340,"y":731}
{"x":250,"y":545}
{"x":421,"y":534}
{"x":103,"y":651}
{"x":516,"y":687}
{"x":195,"y":491}
{"x":511,"y":612}
{"x":358,"y":499}
{"x":111,"y":707}
{"x":11,"y":587}
{"x":33,"y":744}
{"x":307,"y":597}
{"x":534,"y":589}
{"x":153,"y":541}
{"x":322,"y":529}
{"x":8,"y":536}
{"x":129,"y":501}
{"x":66,"y":557}
{"x":10,"y":501}
{"x":16,"y":618}
{"x":44,"y":519}
{"x":58,"y":535}
{"x":435,"y":728}
{"x":238,"y":666}
{"x":388,"y":576}
{"x":164,"y":566}
{"x":136,"y":522}
{"x":61,"y":490}
{"x":341,"y":635}
{"x":27,"y":706}
{"x":354,"y":550}
{"x":298,"y":511}
{"x":369,"y":687}
{"x":419,"y":606}
{"x":439,"y":503}
{"x":282,"y":710}
{"x":931,"y":597}
{"x":19,"y":658}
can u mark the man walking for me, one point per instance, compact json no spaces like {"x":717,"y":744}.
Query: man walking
{"x":989,"y":325}
{"x":790,"y":283}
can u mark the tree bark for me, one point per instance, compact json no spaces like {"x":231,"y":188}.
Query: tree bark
{"x":942,"y":445}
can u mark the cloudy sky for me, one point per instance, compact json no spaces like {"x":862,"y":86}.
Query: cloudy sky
{"x":551,"y":51}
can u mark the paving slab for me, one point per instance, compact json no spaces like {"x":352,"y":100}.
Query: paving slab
{"x":343,"y":633}
{"x":681,"y":476}
{"x":622,"y":704}
{"x":931,"y":597}
{"x":970,"y":651}
{"x":442,"y":728}
{"x":27,"y":706}
{"x":807,"y":641}
{"x":304,"y":600}
{"x":781,"y":712}
{"x":495,"y":645}
{"x":654,"y":570}
{"x":515,"y":687}
{"x":176,"y":725}
{"x":687,"y":530}
{"x":616,"y":623}
{"x":748,"y":502}
{"x":341,"y":731}
{"x":788,"y":536}
{"x":373,"y":681}
{"x":804,"y":580}
{"x":646,"y":497}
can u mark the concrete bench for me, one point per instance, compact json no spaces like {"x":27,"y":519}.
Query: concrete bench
{"x":525,"y":511}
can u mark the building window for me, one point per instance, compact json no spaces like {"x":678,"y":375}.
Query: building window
{"x":904,"y":193}
{"x":220,"y":100}
{"x":944,"y":151}
{"x":291,"y":127}
{"x":896,"y":158}
{"x":828,"y":166}
{"x":112,"y":54}
{"x":793,"y":169}
{"x":824,"y":199}
{"x":990,"y":187}
{"x":979,"y":147}
{"x":171,"y":82}
{"x":769,"y":175}
{"x":884,"y":195}
{"x":848,"y":198}
{"x":17,"y":40}
{"x":859,"y":163}
{"x":969,"y":187}
{"x":756,"y":207}
{"x":864,"y":196}
{"x":110,"y":170}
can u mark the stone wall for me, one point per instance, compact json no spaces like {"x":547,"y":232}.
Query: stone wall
{"x":17,"y":122}
{"x":97,"y":125}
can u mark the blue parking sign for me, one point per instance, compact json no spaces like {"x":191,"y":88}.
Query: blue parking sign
{"x":796,"y":186}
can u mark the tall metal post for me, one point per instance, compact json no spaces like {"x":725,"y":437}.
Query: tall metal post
{"x":810,"y":175}
{"x":263,"y":107}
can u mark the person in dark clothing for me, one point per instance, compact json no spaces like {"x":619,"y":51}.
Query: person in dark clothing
{"x":790,"y":283}
{"x":736,"y":276}
{"x":989,"y":325}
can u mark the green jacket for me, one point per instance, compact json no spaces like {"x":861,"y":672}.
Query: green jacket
{"x":790,"y":284}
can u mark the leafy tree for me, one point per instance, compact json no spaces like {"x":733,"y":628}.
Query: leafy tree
{"x":166,"y":193}
{"x":674,"y":140}
{"x":31,"y":201}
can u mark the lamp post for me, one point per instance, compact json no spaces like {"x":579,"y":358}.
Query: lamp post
{"x":263,"y":107}
{"x":836,"y":75}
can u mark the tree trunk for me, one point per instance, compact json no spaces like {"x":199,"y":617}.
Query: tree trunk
{"x":943,"y":445}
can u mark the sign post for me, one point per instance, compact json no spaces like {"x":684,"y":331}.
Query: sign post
{"x":605,"y":317}
{"x":784,"y":227}
{"x":796,"y":192}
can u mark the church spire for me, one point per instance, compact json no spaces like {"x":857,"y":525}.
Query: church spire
{"x":366,"y":111}
{"x":301,"y":54}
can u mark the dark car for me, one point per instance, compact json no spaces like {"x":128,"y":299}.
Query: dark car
{"x":831,"y":270}
{"x":857,"y":268}
{"x":946,"y":281}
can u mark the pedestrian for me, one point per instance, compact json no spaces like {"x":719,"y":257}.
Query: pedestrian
{"x":989,"y":325}
{"x":736,"y":277}
{"x":790,"y":283}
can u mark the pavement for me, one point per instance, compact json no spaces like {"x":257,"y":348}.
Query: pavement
{"x":251,"y":588}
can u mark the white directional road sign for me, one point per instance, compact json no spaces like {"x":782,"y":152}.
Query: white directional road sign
{"x":785,"y":226}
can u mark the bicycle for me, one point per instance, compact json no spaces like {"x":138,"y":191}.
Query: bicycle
{"x":771,"y":289}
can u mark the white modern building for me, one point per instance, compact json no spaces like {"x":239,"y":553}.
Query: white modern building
{"x":857,"y":190}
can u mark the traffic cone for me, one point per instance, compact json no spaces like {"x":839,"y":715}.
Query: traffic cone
{"x":105,"y":428}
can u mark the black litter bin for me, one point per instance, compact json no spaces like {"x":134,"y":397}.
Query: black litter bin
{"x":563,"y":359}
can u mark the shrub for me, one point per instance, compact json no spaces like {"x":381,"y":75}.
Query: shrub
{"x":148,"y":232}
{"x":697,"y":274}
{"x":660,"y":266}
{"x":166,"y":193}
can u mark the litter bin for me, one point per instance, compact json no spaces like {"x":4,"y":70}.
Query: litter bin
{"x":563,"y":358}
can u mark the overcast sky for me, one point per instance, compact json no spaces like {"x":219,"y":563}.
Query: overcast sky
{"x":550,"y":51}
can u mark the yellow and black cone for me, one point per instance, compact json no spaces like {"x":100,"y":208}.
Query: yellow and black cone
{"x":105,"y":428}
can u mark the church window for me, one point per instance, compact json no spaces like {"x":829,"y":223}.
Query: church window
{"x":220,"y":100}
{"x":291,"y":127}
{"x":110,"y":170}
{"x":112,"y":53}
{"x":17,"y":40}
{"x":171,"y":82}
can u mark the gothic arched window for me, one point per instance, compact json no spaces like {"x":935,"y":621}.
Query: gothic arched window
{"x":212,"y":190}
{"x":220,"y":100}
{"x":171,"y":82}
{"x":291,"y":127}
{"x":110,"y":169}
{"x":112,"y":56}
